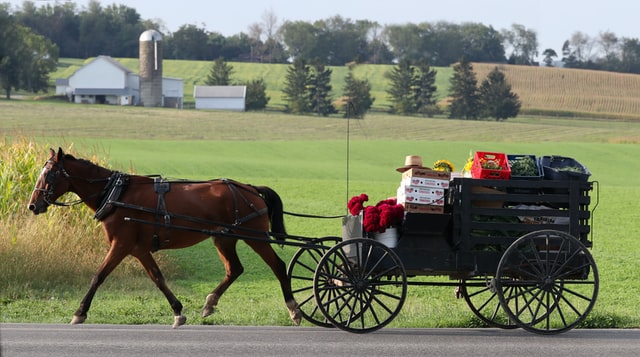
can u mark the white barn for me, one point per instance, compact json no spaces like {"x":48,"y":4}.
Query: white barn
{"x":106,"y":81}
{"x":220,"y":97}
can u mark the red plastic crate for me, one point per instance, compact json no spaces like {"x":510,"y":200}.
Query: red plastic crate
{"x":477,"y":171}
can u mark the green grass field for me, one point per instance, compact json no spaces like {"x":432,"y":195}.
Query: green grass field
{"x":313,"y":166}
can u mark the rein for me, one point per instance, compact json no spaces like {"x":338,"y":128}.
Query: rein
{"x":311,"y":215}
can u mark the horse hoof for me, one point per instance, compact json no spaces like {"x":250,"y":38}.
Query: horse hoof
{"x":77,"y":320}
{"x":208,"y":310}
{"x":179,"y":321}
{"x":297,"y":317}
{"x":294,"y":312}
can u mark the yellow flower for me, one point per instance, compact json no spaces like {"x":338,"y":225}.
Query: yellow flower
{"x":443,"y":165}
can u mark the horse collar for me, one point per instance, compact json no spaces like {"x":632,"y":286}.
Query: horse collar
{"x":111,"y":193}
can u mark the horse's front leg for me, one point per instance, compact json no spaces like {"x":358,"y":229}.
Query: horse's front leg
{"x":151,"y":267}
{"x":110,"y":262}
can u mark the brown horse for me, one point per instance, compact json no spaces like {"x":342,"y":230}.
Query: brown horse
{"x":140,"y":215}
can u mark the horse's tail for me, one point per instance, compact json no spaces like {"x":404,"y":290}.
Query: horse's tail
{"x":276,"y":211}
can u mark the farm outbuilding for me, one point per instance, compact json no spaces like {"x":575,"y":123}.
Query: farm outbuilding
{"x":106,"y":81}
{"x":220,"y":97}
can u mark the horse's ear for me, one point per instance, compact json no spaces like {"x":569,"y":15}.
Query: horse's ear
{"x":52,"y":154}
{"x":60,"y":154}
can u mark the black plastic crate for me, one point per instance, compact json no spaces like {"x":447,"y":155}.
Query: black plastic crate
{"x":563,"y":168}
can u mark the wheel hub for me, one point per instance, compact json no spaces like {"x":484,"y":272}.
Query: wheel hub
{"x":547,"y":284}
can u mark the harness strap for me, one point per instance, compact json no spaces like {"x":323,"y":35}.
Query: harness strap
{"x":161,"y":186}
{"x":236,"y":193}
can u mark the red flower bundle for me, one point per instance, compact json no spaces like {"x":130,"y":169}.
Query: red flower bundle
{"x":356,"y":204}
{"x":378,"y":218}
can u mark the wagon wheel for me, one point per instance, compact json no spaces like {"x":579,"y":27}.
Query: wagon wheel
{"x":301,"y":269}
{"x":482,"y":298}
{"x":360,"y":285}
{"x":557,"y":282}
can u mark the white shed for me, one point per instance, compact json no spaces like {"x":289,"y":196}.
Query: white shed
{"x":220,"y":97}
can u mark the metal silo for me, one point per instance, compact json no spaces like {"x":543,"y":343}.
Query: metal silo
{"x":151,"y":69}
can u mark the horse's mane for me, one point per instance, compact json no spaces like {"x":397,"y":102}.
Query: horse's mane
{"x":84,"y":162}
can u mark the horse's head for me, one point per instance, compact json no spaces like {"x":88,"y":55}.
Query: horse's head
{"x":52,"y":183}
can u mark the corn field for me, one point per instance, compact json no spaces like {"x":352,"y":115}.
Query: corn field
{"x":571,"y":90}
{"x":65,"y":244}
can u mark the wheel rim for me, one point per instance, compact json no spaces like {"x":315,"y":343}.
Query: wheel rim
{"x":482,"y":298}
{"x":360,"y":285}
{"x":301,"y":271}
{"x":556,"y":280}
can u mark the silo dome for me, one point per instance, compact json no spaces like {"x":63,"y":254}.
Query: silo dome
{"x":150,"y":35}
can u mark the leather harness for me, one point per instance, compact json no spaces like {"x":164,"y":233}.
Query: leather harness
{"x":118,"y":182}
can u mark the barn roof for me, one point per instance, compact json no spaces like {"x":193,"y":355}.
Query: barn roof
{"x":219,"y":91}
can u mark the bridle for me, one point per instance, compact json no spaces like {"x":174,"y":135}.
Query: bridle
{"x":50,"y":179}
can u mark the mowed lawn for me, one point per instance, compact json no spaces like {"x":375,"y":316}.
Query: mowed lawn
{"x":316,"y":164}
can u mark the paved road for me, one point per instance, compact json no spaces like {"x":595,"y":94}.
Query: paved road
{"x":196,"y":340}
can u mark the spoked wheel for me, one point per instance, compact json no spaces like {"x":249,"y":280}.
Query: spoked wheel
{"x":360,"y":285}
{"x":301,"y":270}
{"x":556,"y":280}
{"x":481,"y":296}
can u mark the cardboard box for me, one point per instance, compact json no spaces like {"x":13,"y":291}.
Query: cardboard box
{"x":425,"y":199}
{"x":426,"y":178}
{"x":421,"y":190}
{"x":416,"y":208}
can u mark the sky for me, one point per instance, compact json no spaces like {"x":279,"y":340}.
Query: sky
{"x":554,"y":21}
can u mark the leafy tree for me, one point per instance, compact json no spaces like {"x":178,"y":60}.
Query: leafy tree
{"x":424,"y":89}
{"x":463,"y":91}
{"x":220,"y":73}
{"x":300,"y":38}
{"x":549,"y":54}
{"x":189,"y":43}
{"x":400,"y":89}
{"x":319,"y":91}
{"x":568,"y":57}
{"x":295,"y":87}
{"x":630,"y":57}
{"x":257,"y":98}
{"x":26,"y":59}
{"x":357,"y":95}
{"x":524,"y":44}
{"x":496,"y":98}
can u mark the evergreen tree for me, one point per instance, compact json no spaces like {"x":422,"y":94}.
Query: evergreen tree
{"x":220,"y":74}
{"x":319,"y":91}
{"x":257,"y":98}
{"x":357,"y":94}
{"x":401,"y":78}
{"x":496,"y":98}
{"x":463,"y":92}
{"x":424,"y":89}
{"x":295,"y":87}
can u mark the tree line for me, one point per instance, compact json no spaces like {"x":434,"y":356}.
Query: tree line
{"x":114,"y":30}
{"x":412,"y":91}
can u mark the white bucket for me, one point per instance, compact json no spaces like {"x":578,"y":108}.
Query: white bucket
{"x":389,"y":237}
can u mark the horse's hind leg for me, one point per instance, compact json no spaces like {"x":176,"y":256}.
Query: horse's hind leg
{"x":153,"y":270}
{"x":226,"y":248}
{"x":266,"y":252}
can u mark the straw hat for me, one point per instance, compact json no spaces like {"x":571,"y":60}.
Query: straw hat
{"x":411,"y":162}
